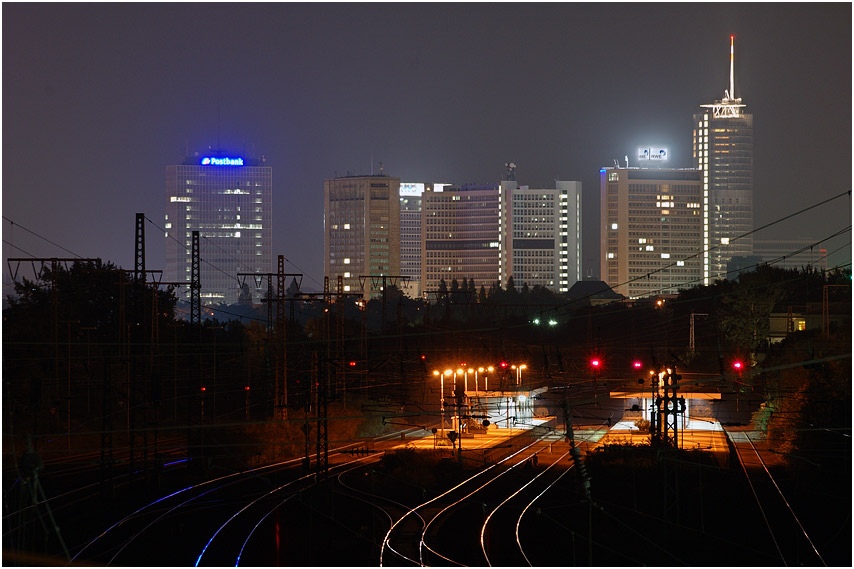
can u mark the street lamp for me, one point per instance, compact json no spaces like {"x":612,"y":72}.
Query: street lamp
{"x":480,"y":369}
{"x":519,"y":374}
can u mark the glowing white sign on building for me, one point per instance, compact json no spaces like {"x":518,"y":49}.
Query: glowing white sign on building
{"x":653,"y":154}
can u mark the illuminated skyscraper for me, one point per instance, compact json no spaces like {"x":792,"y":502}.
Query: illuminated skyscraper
{"x":490,"y":232}
{"x":542,"y":241}
{"x":361,"y":232}
{"x":229,"y":201}
{"x":651,"y":230}
{"x":410,"y":236}
{"x":723,"y":152}
{"x":460,"y":236}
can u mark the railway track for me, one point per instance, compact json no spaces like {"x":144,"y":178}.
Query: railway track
{"x":786,"y":530}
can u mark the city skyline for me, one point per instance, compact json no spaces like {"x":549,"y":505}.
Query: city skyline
{"x":95,"y":109}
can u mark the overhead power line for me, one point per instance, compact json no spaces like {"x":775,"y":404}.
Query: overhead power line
{"x":40,"y":237}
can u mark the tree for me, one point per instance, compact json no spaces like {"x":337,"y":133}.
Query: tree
{"x":511,"y":284}
{"x":745,"y":309}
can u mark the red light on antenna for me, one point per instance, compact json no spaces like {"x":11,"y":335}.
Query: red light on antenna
{"x":503,"y":364}
{"x":203,"y":389}
{"x":737,"y":365}
{"x":246,"y":388}
{"x":352,"y":364}
{"x":595,"y":362}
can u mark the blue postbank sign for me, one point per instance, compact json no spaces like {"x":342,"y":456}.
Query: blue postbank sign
{"x":224,"y":161}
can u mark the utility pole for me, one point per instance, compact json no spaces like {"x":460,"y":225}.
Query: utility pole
{"x":691,"y":335}
{"x":280,"y":396}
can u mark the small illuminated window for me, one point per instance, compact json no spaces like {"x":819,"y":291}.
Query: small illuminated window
{"x":724,"y":240}
{"x":665,"y":255}
{"x":346,"y":288}
{"x":346,"y":226}
{"x":642,"y":240}
{"x":610,"y":255}
{"x":802,"y":325}
{"x":680,"y":263}
{"x":650,"y":248}
{"x":613,"y":226}
{"x":346,"y":275}
{"x":347,"y":261}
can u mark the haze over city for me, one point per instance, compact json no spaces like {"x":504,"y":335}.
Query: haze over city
{"x":99,"y":98}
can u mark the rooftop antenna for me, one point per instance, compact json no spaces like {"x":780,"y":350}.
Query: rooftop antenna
{"x":731,"y":67}
{"x":627,"y":160}
{"x":616,"y":164}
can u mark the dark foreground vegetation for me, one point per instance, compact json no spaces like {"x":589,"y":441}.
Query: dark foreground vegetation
{"x":98,"y":368}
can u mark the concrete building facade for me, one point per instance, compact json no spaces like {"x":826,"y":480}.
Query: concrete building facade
{"x":410,"y":236}
{"x":651,"y":232}
{"x":541,"y":244}
{"x":461,"y":236}
{"x":361,"y":232}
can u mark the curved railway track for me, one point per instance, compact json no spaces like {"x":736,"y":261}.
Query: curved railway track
{"x":447,"y":529}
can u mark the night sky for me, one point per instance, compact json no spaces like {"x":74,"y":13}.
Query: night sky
{"x":99,"y":98}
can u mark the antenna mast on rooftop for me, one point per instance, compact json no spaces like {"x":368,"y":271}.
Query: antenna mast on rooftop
{"x":729,"y":106}
{"x":731,"y":67}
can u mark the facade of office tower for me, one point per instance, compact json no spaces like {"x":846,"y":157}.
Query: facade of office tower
{"x":541,"y":243}
{"x":361,"y":233}
{"x":723,"y":152}
{"x":228,"y":200}
{"x":651,"y":230}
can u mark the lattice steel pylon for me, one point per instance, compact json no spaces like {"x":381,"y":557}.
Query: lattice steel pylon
{"x":669,"y":406}
{"x":322,"y":382}
{"x":195,"y":283}
{"x":282,"y":327}
{"x":138,"y":375}
{"x":139,"y":250}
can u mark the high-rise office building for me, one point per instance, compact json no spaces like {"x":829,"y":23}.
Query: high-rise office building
{"x":723,"y":152}
{"x":461,"y":236}
{"x":228,"y":200}
{"x":488,"y":233}
{"x":651,"y":230}
{"x":361,"y":232}
{"x":791,"y":253}
{"x":410,"y":236}
{"x":542,"y":241}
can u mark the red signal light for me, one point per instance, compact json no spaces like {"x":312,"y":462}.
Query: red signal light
{"x":503,"y":364}
{"x":595,"y":362}
{"x":637,"y":365}
{"x":352,"y":364}
{"x":246,"y":388}
{"x":423,"y":357}
{"x":203,"y":389}
{"x":737,"y":365}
